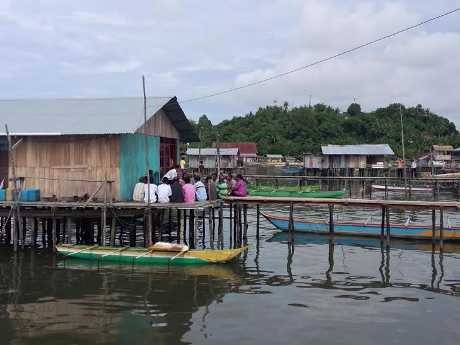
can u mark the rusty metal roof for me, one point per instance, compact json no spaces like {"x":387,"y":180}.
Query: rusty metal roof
{"x":245,"y":148}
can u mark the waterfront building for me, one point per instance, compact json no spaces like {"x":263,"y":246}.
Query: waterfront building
{"x":65,"y":147}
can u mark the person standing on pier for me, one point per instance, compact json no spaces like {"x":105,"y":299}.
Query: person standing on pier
{"x":164,"y":191}
{"x":188,"y":190}
{"x":211,"y":187}
{"x":172,"y":173}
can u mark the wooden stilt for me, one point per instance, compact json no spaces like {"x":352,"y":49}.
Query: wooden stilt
{"x":245,"y":223}
{"x":211,"y":228}
{"x":433,"y":224}
{"x":257,"y":221}
{"x":441,"y":229}
{"x":34,"y":232}
{"x":113,"y":230}
{"x":191,"y":229}
{"x":387,"y":216}
{"x":54,"y":233}
{"x":382,"y":228}
{"x":220,"y":228}
{"x":291,"y":223}
{"x":331,"y":219}
{"x":179,"y":214}
{"x":185,"y":227}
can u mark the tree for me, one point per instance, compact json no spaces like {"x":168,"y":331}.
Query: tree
{"x":354,"y":109}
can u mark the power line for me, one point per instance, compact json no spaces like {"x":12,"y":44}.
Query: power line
{"x":317,"y":62}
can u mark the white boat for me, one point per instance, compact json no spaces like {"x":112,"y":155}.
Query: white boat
{"x":401,"y":189}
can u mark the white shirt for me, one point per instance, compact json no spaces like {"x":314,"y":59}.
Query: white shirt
{"x":171,"y":174}
{"x":200,"y":191}
{"x":153,"y":191}
{"x":164,"y":192}
{"x":138,"y":193}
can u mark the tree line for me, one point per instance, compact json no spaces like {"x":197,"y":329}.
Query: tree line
{"x":297,"y":130}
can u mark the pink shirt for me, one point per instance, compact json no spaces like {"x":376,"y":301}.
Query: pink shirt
{"x":189,"y":191}
{"x":240,"y":188}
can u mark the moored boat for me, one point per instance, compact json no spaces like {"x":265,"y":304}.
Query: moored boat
{"x":401,"y":189}
{"x":146,"y":256}
{"x":296,"y":194}
{"x":419,"y":232}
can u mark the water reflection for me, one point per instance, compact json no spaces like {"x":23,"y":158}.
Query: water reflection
{"x":350,"y":282}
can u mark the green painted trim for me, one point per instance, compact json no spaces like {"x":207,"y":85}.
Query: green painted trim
{"x":132,"y":161}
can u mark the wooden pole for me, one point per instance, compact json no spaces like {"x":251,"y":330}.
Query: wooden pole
{"x":185,"y":227}
{"x":433,"y":224}
{"x":191,"y":229}
{"x":382,"y":228}
{"x":291,"y":224}
{"x":113,"y":230}
{"x":258,"y":221}
{"x":441,"y":229}
{"x":211,"y":228}
{"x":331,"y":219}
{"x":104,"y":214}
{"x":34,"y":232}
{"x":387,"y":214}
{"x":245,"y":223}
{"x":54,"y":233}
{"x":179,"y":215}
{"x":148,"y":234}
{"x":220,"y":227}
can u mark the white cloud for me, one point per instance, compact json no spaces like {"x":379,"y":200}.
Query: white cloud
{"x":188,"y":48}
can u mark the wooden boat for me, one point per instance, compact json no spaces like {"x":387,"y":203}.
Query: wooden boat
{"x":402,"y":189}
{"x":420,"y":232}
{"x":145,"y":256}
{"x":296,"y":193}
{"x":364,"y":242}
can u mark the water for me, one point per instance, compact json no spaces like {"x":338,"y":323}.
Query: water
{"x":321,"y":291}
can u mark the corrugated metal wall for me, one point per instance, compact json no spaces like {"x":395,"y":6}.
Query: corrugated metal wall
{"x":132,"y":161}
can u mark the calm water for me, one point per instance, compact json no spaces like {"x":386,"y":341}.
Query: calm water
{"x":322,"y":291}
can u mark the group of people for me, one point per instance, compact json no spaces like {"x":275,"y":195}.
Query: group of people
{"x":177,"y":186}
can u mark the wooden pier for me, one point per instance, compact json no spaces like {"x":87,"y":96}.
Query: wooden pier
{"x":108,"y":223}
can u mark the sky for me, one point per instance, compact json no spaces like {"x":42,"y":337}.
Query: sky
{"x":99,"y":49}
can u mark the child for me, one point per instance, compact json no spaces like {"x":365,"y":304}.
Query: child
{"x":222,"y":189}
{"x":188,"y":190}
{"x":164,"y":191}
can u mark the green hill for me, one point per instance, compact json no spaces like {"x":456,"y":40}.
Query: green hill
{"x":293,"y":131}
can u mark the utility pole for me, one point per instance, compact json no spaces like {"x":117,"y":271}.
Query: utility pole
{"x":15,"y":214}
{"x":148,"y":240}
{"x":218,"y":155}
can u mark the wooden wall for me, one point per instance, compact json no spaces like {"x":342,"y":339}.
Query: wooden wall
{"x":160,"y":125}
{"x":84,"y":157}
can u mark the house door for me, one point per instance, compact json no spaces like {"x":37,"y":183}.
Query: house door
{"x":168,"y":154}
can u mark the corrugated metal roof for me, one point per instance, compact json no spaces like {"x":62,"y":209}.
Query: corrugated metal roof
{"x":89,"y":116}
{"x":443,"y":147}
{"x":363,"y":150}
{"x":212,"y":152}
{"x":244,"y":148}
{"x":274,"y":156}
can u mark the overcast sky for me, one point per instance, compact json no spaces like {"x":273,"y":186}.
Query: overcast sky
{"x":89,"y":48}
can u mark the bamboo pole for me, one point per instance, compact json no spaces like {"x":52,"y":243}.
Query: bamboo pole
{"x":331,"y":219}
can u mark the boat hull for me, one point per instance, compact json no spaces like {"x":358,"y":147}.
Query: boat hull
{"x":360,"y":229}
{"x":141,"y":256}
{"x":290,"y":194}
{"x":401,"y":189}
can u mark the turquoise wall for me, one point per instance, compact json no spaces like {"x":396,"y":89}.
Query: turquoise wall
{"x":132,"y":161}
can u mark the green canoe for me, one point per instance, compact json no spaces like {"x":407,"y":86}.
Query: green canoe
{"x":143,"y":256}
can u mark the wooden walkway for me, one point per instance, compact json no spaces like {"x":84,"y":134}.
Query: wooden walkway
{"x":347,"y":202}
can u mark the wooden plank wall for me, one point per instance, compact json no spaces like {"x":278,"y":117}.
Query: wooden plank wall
{"x":85,"y":157}
{"x":160,"y":125}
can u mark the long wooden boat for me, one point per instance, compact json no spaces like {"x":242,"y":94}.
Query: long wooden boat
{"x":401,"y":189}
{"x":365,"y":242}
{"x":297,"y":194}
{"x":144,"y":256}
{"x":419,"y":232}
